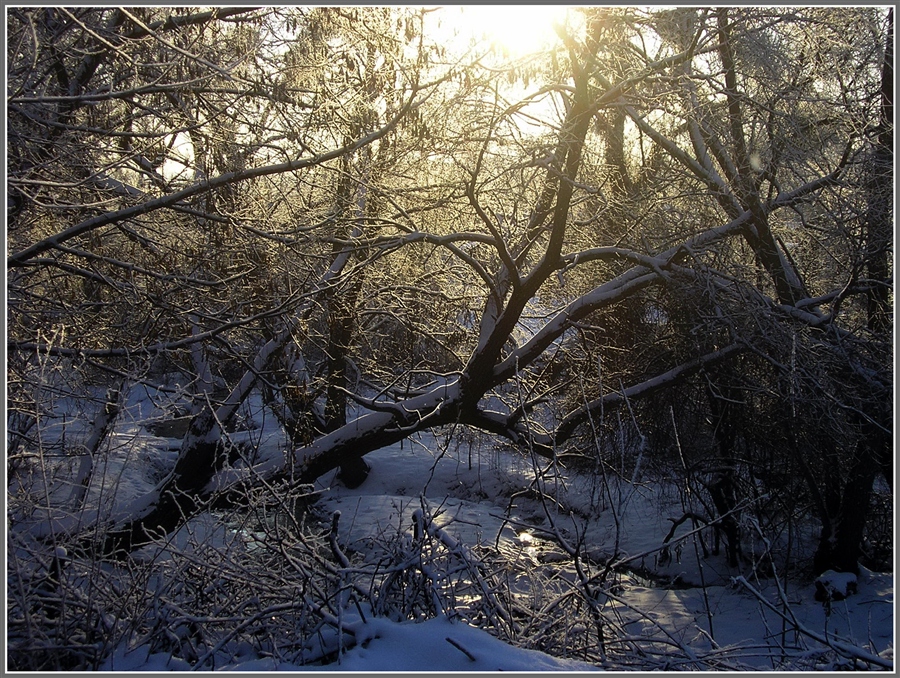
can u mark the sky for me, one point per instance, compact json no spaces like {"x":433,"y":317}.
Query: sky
{"x":517,"y":29}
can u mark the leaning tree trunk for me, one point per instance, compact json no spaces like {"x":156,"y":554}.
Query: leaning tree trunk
{"x":203,"y":454}
{"x":185,"y":491}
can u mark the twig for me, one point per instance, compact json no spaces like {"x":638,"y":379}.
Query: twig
{"x":460,"y":648}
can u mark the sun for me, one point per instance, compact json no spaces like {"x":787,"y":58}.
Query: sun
{"x":515,"y":30}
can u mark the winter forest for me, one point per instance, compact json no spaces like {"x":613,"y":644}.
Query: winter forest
{"x":449,"y":338}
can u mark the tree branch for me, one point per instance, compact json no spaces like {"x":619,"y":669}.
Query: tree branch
{"x":171,"y":200}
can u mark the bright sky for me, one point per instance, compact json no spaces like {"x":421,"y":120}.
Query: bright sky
{"x":516,"y":29}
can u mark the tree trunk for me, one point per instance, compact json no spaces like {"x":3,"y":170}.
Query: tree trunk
{"x":757,"y":232}
{"x":102,"y":425}
{"x":342,"y":316}
{"x":179,"y":495}
{"x":722,"y":487}
{"x":851,"y":522}
{"x":342,"y":325}
{"x":840,"y":546}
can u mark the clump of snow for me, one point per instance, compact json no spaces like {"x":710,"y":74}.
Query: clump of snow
{"x":831,"y":585}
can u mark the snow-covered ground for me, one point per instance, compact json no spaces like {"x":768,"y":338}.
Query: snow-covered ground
{"x":722,"y":613}
{"x":437,"y":645}
{"x":478,"y":495}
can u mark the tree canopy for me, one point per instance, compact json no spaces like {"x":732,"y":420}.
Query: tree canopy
{"x":685,"y":213}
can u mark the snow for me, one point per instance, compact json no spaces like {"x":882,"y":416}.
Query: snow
{"x":836,"y":585}
{"x":477,"y":494}
{"x":438,"y":644}
{"x":719,"y":614}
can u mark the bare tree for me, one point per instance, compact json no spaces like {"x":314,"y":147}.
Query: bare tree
{"x":291,"y":205}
